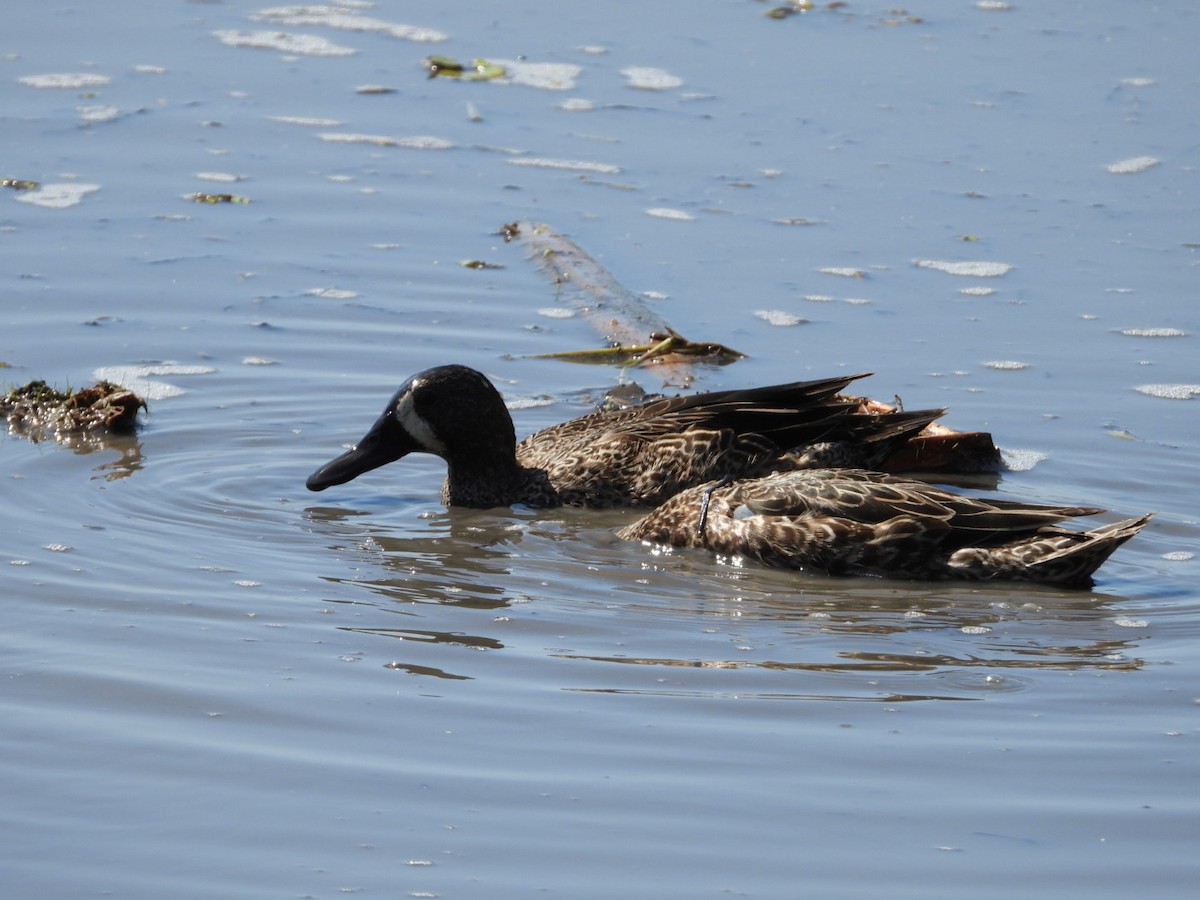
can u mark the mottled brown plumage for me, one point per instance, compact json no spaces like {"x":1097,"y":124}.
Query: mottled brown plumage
{"x":853,"y":522}
{"x":637,"y":457}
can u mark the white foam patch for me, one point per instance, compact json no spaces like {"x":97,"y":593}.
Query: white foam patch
{"x":1153,"y":332}
{"x":780,"y":318}
{"x":57,"y":196}
{"x":665,"y":212}
{"x":569,"y":165}
{"x":1170,"y":391}
{"x":649,"y":78}
{"x":285,"y":42}
{"x":977,"y":269}
{"x":546,"y":76}
{"x":137,"y":378}
{"x":69,"y":80}
{"x":1021,"y":460}
{"x":1132,"y":166}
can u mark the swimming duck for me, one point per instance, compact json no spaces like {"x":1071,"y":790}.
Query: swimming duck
{"x":638,"y":456}
{"x":853,"y":522}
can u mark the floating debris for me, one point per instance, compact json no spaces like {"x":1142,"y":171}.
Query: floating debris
{"x":1153,"y":332}
{"x":301,"y":44}
{"x":217,"y":198}
{"x":18,"y":184}
{"x":57,"y":196}
{"x":1132,"y":166}
{"x":795,"y":7}
{"x":969,"y":269}
{"x":374,"y":89}
{"x":843,"y":271}
{"x":668,"y":346}
{"x":66,"y":80}
{"x":37,"y":410}
{"x":479,"y":264}
{"x":449,"y":67}
{"x":1170,"y":391}
{"x":648,"y":78}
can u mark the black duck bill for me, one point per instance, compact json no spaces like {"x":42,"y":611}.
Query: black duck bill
{"x":386,"y":441}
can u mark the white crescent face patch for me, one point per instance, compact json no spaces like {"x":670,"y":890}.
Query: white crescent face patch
{"x":415,"y":424}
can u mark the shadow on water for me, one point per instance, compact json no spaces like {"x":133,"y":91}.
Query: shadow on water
{"x":560,"y":587}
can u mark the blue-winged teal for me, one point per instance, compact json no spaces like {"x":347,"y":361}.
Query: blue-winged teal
{"x":850,"y":522}
{"x":633,"y":457}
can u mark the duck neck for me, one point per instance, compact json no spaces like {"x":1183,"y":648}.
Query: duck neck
{"x":484,"y":484}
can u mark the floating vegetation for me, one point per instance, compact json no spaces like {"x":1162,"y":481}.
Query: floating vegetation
{"x":19,"y":184}
{"x":1132,"y":166}
{"x":217,"y":198}
{"x":37,"y":410}
{"x":669,"y":346}
{"x":374,"y":89}
{"x":449,"y":67}
{"x":969,"y":269}
{"x":546,"y":76}
{"x":57,"y":196}
{"x":479,"y":264}
{"x":795,"y":7}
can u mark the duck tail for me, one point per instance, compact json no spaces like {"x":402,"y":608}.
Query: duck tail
{"x":1051,"y":556}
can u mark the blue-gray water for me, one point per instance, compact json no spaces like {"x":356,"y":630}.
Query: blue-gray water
{"x":218,"y":684}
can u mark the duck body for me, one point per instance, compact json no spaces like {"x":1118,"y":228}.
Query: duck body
{"x":635,"y":457}
{"x":854,"y":522}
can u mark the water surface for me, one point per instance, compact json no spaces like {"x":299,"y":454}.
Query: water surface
{"x":218,"y":684}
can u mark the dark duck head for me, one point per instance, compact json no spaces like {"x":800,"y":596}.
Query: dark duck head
{"x":450,"y":411}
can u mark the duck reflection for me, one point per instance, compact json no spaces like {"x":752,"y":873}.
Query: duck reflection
{"x":624,"y":619}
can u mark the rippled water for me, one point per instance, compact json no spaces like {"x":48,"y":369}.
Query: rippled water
{"x":219,"y":684}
